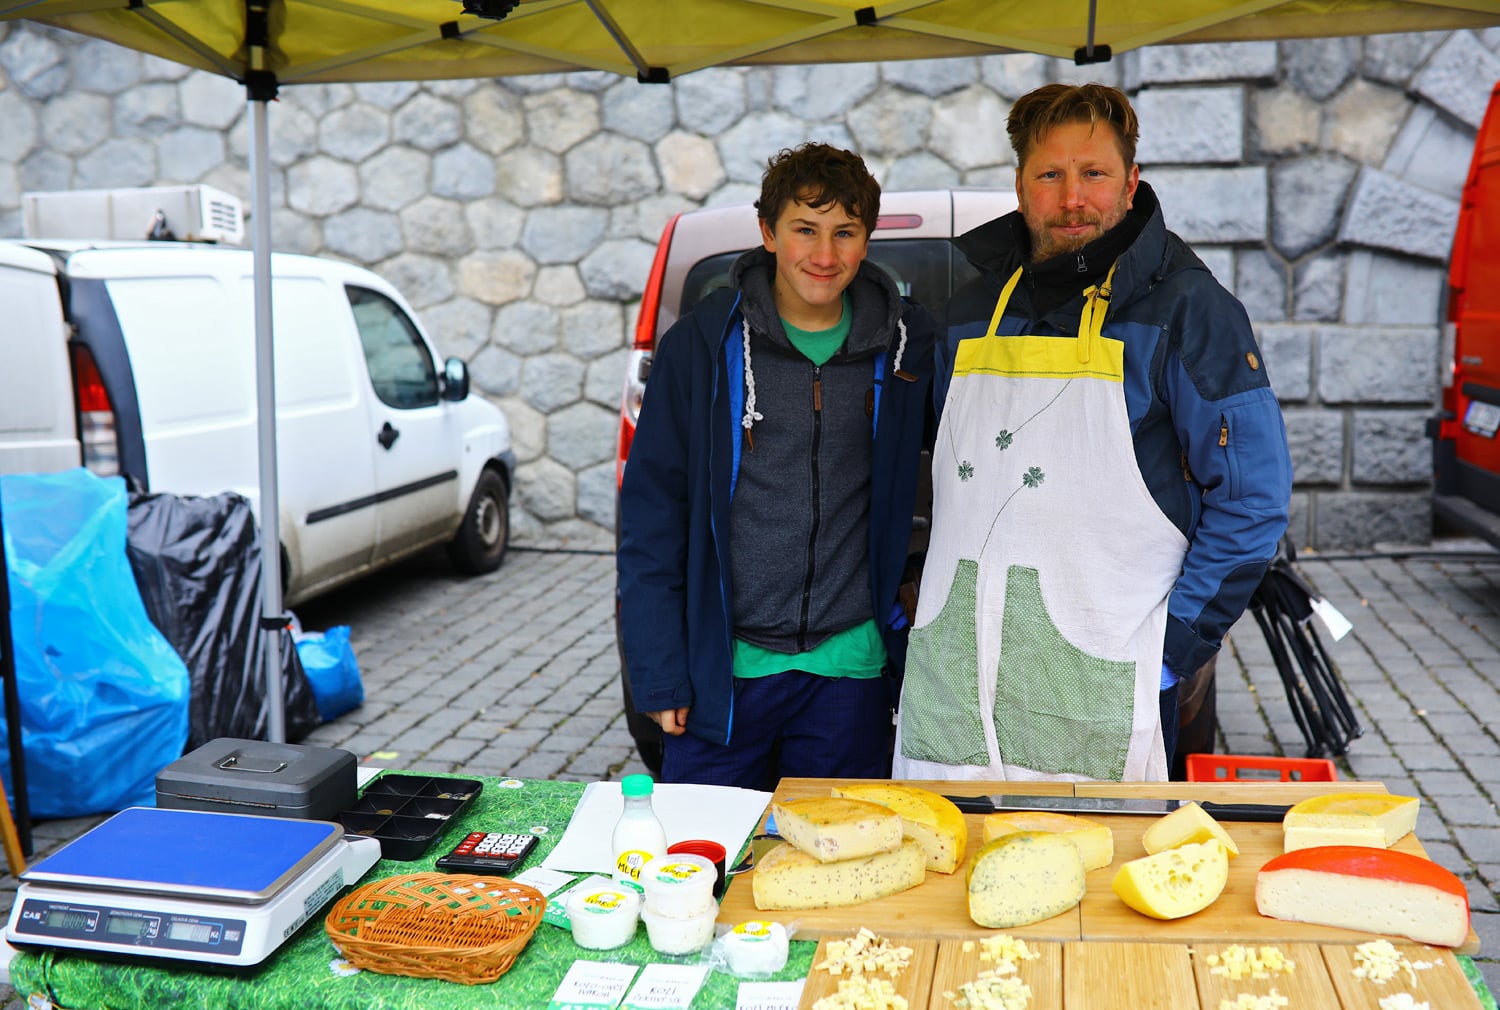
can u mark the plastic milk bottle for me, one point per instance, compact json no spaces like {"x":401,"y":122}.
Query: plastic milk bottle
{"x":639,"y":836}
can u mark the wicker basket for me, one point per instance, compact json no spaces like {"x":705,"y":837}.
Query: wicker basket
{"x":458,"y":927}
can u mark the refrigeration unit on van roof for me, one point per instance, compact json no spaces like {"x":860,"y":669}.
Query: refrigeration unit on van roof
{"x":194,"y":213}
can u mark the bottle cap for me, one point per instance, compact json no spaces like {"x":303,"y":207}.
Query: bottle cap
{"x":636,"y":785}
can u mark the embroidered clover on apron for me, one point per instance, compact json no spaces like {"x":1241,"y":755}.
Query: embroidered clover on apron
{"x":1037,"y":646}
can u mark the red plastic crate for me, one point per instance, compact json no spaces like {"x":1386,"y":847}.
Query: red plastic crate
{"x":1243,"y":768}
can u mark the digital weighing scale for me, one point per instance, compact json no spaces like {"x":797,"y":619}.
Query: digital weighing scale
{"x":189,"y":885}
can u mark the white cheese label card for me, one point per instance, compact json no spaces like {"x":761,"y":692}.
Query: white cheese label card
{"x":547,"y":881}
{"x":592,"y":985}
{"x":1337,"y":624}
{"x":770,"y":995}
{"x":666,"y":987}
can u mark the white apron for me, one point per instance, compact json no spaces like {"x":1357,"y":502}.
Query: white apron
{"x":1037,"y":646}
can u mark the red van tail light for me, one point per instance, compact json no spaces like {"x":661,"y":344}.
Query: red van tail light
{"x":638,"y":361}
{"x":96,"y":418}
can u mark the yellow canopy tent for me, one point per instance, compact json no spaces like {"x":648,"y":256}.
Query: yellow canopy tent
{"x":267,"y":43}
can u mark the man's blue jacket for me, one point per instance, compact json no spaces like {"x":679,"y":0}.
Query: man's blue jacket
{"x":673,"y":560}
{"x":1208,"y":432}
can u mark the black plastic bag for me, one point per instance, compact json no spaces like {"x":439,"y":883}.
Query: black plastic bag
{"x":197,"y":563}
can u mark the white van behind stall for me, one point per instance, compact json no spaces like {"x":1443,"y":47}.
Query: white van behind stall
{"x":381,"y":450}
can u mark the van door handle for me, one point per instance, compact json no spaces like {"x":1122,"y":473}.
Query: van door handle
{"x":387,"y":436}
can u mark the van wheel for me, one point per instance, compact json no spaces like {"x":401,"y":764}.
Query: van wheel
{"x":479,"y":546}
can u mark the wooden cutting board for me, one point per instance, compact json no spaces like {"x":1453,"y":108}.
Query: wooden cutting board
{"x":1306,"y":985}
{"x":1128,"y":976}
{"x":1442,"y":987}
{"x":914,"y":983}
{"x":957,"y":965}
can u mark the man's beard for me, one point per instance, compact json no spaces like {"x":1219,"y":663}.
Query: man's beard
{"x":1044,"y":245}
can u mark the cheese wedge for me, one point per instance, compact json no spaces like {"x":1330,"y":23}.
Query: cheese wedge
{"x":788,"y":878}
{"x":1374,"y":890}
{"x":1184,"y":826}
{"x":1174,"y":882}
{"x":834,"y":829}
{"x":1393,"y":815}
{"x":1094,"y":841}
{"x":933,"y":820}
{"x":1024,"y":877}
{"x":1369,"y":835}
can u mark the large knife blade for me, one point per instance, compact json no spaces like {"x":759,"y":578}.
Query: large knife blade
{"x":998,"y":802}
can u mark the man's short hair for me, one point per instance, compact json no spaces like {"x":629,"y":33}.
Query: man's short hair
{"x":819,"y":175}
{"x":1038,"y":112}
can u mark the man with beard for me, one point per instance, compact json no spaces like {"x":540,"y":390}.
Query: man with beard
{"x":1111,"y":474}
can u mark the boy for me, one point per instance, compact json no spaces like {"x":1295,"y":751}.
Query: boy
{"x":767,"y":502}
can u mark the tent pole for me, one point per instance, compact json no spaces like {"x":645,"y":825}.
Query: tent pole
{"x":19,"y":796}
{"x":273,"y":620}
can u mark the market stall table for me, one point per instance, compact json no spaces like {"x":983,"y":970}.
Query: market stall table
{"x":307,"y":974}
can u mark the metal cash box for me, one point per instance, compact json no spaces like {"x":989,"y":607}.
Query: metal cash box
{"x":255,"y":777}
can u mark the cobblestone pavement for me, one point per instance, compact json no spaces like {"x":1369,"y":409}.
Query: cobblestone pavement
{"x":516,"y":673}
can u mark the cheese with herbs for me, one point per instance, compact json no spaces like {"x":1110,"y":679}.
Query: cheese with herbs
{"x":834,"y":828}
{"x":1175,"y":882}
{"x":933,"y":820}
{"x":1024,"y":877}
{"x":1095,"y":842}
{"x":1186,"y":825}
{"x":788,"y":878}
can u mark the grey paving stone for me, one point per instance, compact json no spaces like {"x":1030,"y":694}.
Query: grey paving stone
{"x":1482,"y":845}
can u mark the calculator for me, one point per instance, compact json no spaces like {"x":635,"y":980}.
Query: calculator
{"x":489,"y":852}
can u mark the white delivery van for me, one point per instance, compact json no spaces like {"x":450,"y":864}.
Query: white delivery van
{"x":139,"y":359}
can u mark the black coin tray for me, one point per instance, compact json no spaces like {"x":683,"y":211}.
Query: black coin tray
{"x":406,"y":813}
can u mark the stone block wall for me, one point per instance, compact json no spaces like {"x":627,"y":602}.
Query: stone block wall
{"x":1318,"y":179}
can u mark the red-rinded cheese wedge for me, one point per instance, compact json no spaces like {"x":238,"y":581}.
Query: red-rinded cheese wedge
{"x":1374,"y":890}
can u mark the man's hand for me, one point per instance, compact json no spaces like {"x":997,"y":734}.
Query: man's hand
{"x":673,"y":721}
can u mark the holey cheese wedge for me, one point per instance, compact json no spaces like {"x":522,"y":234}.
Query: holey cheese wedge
{"x":1183,"y":826}
{"x":834,"y":829}
{"x":1374,"y":820}
{"x":1024,"y":877}
{"x":1375,"y":890}
{"x":1094,"y":841}
{"x":1175,"y":882}
{"x":933,"y":820}
{"x":788,"y":878}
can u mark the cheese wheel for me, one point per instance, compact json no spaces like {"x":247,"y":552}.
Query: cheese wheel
{"x":1175,"y":882}
{"x":1187,"y":824}
{"x":832,"y":829}
{"x":788,"y":878}
{"x":1394,"y":816}
{"x":1374,"y":890}
{"x":933,"y":820}
{"x":1024,"y":877}
{"x":1095,"y":842}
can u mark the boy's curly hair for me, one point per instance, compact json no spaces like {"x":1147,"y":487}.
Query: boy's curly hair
{"x":819,"y":175}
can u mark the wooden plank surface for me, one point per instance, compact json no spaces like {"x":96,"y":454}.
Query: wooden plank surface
{"x":1306,"y":985}
{"x":1442,"y":986}
{"x":1128,"y":976}
{"x":955,"y":966}
{"x":914,"y":983}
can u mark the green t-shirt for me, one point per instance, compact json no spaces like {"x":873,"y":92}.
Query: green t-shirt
{"x":856,"y":652}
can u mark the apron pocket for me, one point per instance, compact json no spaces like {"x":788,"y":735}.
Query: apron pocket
{"x":940,"y":718}
{"x":1058,"y":709}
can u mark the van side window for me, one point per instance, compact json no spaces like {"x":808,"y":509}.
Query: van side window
{"x":401,"y":368}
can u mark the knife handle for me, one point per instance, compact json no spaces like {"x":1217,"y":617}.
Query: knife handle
{"x":1266,"y":812}
{"x":973,"y":804}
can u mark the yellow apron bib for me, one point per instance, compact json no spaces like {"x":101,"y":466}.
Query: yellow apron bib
{"x":1037,"y":645}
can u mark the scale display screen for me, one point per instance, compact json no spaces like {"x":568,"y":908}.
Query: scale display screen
{"x":68,"y":918}
{"x":136,"y":927}
{"x":192,"y":932}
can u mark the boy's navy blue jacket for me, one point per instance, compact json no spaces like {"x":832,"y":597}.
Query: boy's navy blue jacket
{"x":676,"y":615}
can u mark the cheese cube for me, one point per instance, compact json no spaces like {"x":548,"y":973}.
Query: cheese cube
{"x":1095,"y":842}
{"x":1375,"y":890}
{"x":1024,"y":877}
{"x":835,"y":829}
{"x":1393,"y":815}
{"x":1175,"y":882}
{"x":1187,"y":824}
{"x":933,"y":820}
{"x":788,"y":878}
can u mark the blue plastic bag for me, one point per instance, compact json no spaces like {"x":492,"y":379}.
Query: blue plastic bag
{"x":332,"y":670}
{"x":104,"y":697}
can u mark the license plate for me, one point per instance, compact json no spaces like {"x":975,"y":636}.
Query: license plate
{"x":1482,"y":418}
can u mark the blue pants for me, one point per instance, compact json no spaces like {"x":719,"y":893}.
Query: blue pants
{"x":792,"y":724}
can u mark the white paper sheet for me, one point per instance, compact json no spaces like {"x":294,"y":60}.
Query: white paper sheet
{"x":721,"y":813}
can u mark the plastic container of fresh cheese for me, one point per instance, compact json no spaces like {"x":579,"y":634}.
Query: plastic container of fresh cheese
{"x":603,"y":915}
{"x":679,"y":886}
